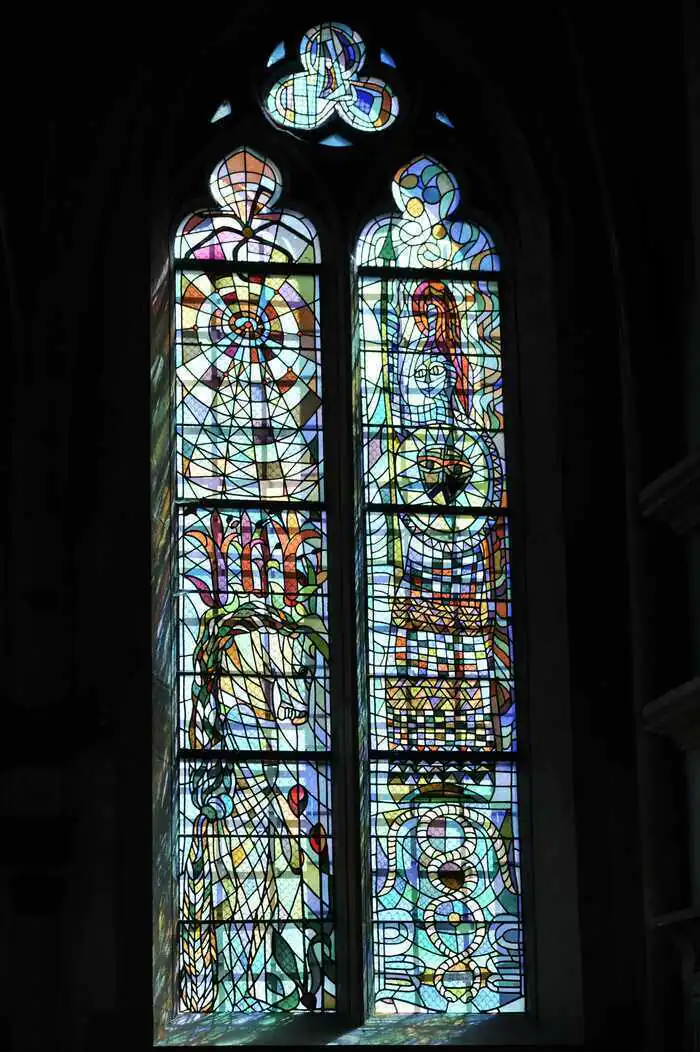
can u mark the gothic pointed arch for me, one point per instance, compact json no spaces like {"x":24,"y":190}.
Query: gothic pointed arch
{"x":264,"y":490}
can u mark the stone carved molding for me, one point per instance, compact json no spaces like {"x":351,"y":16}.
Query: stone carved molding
{"x":683,"y":928}
{"x":676,"y":715}
{"x":674,"y":497}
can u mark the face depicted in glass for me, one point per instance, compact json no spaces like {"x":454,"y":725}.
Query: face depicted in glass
{"x":432,"y":376}
{"x":431,"y":368}
{"x":427,"y":383}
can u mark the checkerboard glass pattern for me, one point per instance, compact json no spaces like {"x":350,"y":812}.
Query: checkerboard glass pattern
{"x":436,"y":637}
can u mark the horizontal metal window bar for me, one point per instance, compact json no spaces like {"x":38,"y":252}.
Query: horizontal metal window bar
{"x":458,"y":430}
{"x":279,"y":922}
{"x":268,"y":755}
{"x":319,"y":677}
{"x":445,"y":679}
{"x":245,"y":270}
{"x":438,"y":509}
{"x":440,"y":755}
{"x":429,"y":273}
{"x":423,"y":925}
{"x":248,"y":505}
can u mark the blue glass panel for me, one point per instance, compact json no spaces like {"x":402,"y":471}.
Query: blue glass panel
{"x":224,"y":110}
{"x":335,"y":140}
{"x":277,"y":54}
{"x":443,"y":118}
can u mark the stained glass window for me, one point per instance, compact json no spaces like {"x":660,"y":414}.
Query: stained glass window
{"x":253,"y":822}
{"x":259,"y":684}
{"x":436,"y":651}
{"x":332,"y":56}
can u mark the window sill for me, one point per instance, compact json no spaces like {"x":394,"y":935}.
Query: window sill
{"x":232,"y":1030}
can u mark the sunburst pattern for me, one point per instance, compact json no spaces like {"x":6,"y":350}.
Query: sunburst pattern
{"x":249,"y":418}
{"x":255,"y":836}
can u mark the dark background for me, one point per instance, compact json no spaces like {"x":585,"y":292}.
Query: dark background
{"x":97,"y":108}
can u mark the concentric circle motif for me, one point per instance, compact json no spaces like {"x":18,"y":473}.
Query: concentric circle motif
{"x":453,"y":921}
{"x":236,"y":324}
{"x":454,"y":468}
{"x":449,"y":466}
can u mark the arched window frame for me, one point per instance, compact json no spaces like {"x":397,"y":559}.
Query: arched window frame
{"x":541,"y":654}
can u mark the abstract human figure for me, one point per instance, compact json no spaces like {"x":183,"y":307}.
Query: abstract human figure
{"x":443,"y":611}
{"x":442,"y":631}
{"x":256,"y":663}
{"x":444,"y":843}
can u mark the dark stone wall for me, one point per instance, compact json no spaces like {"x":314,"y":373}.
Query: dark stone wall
{"x":105,"y":110}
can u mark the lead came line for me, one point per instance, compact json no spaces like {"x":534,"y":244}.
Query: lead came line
{"x":444,"y":849}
